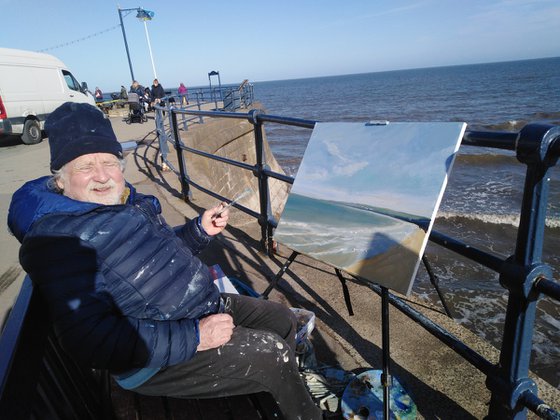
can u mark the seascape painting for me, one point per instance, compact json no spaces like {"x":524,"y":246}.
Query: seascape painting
{"x":365,"y":197}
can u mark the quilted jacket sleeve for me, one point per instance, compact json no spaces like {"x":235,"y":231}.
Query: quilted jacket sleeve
{"x":193,"y":235}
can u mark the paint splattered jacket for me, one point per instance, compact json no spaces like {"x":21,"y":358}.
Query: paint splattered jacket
{"x":123,"y":288}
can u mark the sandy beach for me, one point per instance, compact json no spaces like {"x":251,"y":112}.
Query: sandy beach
{"x":394,"y":268}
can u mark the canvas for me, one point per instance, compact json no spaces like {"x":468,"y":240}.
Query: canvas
{"x":366,"y":195}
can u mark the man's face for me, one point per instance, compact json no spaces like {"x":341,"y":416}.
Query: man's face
{"x":94,"y":178}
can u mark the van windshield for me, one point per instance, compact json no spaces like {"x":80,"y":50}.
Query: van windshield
{"x":71,"y":81}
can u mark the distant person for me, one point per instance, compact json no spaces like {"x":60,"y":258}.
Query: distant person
{"x":147,"y":99}
{"x":157,"y":93}
{"x":137,"y":88}
{"x":98,"y":95}
{"x":123,"y":94}
{"x":182,"y":91}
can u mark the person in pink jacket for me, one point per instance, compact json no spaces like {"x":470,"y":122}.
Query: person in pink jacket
{"x":183,"y":94}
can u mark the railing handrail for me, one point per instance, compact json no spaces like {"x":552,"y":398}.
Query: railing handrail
{"x":523,"y":274}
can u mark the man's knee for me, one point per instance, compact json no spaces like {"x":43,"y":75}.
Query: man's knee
{"x":276,"y":354}
{"x":267,"y":349}
{"x":285,"y":317}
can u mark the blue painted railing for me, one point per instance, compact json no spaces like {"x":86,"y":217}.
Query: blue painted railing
{"x":523,"y":274}
{"x":229,"y":98}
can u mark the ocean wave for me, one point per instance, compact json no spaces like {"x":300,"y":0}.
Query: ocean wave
{"x":511,"y":125}
{"x":517,"y":124}
{"x":496,"y":219}
{"x":487,"y":158}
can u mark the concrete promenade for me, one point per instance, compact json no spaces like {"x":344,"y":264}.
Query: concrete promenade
{"x":442,"y":384}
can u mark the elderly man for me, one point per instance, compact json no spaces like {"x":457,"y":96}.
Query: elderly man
{"x":126,"y":291}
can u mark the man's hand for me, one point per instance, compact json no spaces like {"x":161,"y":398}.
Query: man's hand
{"x":214,"y":330}
{"x":214,"y":220}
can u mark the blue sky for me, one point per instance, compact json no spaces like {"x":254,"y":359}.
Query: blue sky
{"x":266,"y":40}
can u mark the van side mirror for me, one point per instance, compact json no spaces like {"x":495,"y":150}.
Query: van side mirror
{"x":84,"y":87}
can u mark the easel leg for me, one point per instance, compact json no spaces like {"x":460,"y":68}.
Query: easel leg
{"x":385,"y":376}
{"x":345,"y":292}
{"x":435,"y":282}
{"x":279,"y":275}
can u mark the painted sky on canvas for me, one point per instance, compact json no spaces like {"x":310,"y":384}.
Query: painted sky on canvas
{"x":392,"y":166}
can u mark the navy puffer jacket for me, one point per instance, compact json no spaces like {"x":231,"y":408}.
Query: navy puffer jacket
{"x":124,"y":289}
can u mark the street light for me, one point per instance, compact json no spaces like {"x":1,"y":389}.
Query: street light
{"x":143,"y":15}
{"x":126,"y":43}
{"x":215,"y":73}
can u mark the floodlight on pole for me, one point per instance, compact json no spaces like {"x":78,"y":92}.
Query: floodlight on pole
{"x":146,"y":15}
{"x":142,"y":15}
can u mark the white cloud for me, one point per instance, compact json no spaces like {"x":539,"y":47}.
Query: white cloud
{"x":343,"y":166}
{"x":349,"y":169}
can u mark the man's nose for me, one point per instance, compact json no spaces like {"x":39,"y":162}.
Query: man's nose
{"x":101,"y":173}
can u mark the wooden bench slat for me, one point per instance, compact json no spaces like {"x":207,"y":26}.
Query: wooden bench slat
{"x":43,"y":407}
{"x":123,"y":402}
{"x":214,"y":408}
{"x":267,"y":405}
{"x":25,"y":331}
{"x":182,"y":409}
{"x":243,"y":408}
{"x":150,"y":408}
{"x":80,"y":392}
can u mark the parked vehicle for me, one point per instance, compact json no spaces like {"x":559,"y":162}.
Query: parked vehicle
{"x":32,"y":85}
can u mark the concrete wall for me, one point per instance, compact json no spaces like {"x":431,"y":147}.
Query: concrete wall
{"x":234,"y":139}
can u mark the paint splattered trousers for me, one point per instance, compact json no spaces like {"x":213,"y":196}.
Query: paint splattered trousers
{"x":259,"y":357}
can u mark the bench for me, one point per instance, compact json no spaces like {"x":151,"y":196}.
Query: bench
{"x":38,"y":380}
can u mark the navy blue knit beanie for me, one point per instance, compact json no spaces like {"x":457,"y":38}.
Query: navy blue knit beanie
{"x":76,"y":129}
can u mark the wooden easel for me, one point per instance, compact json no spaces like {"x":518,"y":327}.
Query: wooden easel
{"x":386,"y":379}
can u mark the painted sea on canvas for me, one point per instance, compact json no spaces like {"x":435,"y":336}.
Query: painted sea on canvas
{"x":482,"y":200}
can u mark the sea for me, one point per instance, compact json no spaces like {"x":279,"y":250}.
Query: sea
{"x":483,"y":197}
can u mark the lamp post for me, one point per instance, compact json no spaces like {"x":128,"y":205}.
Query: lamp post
{"x":143,"y":15}
{"x":126,"y":43}
{"x":215,"y":73}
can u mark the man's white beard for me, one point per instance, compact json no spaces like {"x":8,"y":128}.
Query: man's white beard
{"x":112,"y":198}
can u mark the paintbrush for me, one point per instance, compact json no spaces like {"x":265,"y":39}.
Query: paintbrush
{"x":238,"y":197}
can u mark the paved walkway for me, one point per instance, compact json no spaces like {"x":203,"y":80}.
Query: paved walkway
{"x":441,"y":383}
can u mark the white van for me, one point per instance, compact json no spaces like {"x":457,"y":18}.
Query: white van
{"x":32,"y":85}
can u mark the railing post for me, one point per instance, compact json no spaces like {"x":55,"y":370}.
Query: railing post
{"x":266,"y":228}
{"x":199,"y":100}
{"x":213,"y":93}
{"x":162,"y":135}
{"x":163,"y":143}
{"x":185,"y":190}
{"x":185,"y":122}
{"x":519,"y":275}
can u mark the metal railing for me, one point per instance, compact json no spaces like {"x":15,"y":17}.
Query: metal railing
{"x":523,"y":274}
{"x":195,"y":100}
{"x":230,"y":97}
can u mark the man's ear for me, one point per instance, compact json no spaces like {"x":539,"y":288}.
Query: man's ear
{"x":60,"y":183}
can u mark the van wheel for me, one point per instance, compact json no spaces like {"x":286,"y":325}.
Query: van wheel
{"x":31,"y":132}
